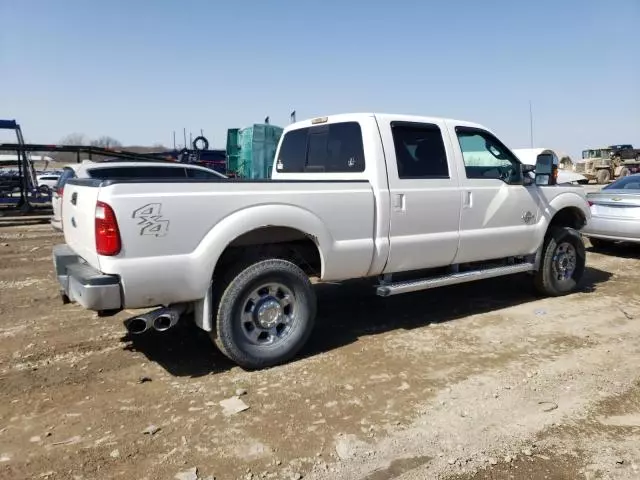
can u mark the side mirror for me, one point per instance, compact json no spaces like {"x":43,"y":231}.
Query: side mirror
{"x":527,"y":170}
{"x":546,"y":169}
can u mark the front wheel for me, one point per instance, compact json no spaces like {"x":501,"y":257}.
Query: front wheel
{"x":562,"y":263}
{"x":603,"y":176}
{"x":265,"y":314}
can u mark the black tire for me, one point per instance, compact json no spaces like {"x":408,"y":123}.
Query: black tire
{"x":603,"y":176}
{"x":559,"y":244}
{"x":598,"y":243}
{"x":205,"y":143}
{"x":238,"y":330}
{"x":624,"y":172}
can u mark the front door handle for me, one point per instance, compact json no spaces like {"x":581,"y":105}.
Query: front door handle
{"x":468,"y":199}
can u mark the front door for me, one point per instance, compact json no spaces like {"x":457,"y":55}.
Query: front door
{"x":425,"y":197}
{"x":499,"y":214}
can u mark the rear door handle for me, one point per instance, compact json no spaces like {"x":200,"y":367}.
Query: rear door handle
{"x":399,"y":202}
{"x":74,"y":198}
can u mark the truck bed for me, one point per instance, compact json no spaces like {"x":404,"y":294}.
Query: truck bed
{"x":173,"y":232}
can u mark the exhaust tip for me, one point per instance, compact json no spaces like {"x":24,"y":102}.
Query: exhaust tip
{"x":137,"y":326}
{"x":163,"y":323}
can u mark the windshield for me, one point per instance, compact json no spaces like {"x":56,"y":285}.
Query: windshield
{"x":601,"y":153}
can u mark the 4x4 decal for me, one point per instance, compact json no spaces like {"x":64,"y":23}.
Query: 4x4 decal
{"x":151,"y":221}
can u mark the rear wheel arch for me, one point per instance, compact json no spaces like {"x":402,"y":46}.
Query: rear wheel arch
{"x":286,"y":243}
{"x":246,"y":228}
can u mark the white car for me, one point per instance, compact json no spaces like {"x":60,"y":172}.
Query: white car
{"x":48,"y":180}
{"x":418,"y":202}
{"x":615,"y":213}
{"x":123,"y":170}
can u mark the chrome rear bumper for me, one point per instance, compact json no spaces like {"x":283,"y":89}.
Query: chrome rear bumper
{"x":83,"y":284}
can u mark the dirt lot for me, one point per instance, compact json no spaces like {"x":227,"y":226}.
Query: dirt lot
{"x":471,"y":382}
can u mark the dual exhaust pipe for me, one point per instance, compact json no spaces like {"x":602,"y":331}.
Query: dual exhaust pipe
{"x":160,"y":320}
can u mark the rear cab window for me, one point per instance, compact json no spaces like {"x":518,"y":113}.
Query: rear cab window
{"x":420,"y":151}
{"x":328,"y":148}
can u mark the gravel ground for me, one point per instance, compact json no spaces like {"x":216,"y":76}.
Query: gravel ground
{"x":478,"y":381}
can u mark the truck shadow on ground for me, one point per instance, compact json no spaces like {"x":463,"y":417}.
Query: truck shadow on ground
{"x":347,"y":312}
{"x":620,"y":250}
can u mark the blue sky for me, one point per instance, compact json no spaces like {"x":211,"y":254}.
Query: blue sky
{"x":137,"y":70}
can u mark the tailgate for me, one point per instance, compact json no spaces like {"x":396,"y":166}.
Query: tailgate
{"x":78,"y":218}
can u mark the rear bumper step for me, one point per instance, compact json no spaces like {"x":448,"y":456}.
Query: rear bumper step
{"x":451,"y":279}
{"x":85,"y":285}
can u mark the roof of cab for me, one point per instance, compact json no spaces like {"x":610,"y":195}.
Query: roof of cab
{"x":380,"y":116}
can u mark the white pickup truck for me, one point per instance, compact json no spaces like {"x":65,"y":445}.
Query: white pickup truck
{"x":418,"y":202}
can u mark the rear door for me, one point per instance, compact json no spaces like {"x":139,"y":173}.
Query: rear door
{"x":424,"y":193}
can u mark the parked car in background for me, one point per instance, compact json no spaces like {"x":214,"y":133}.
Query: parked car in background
{"x":615,"y":213}
{"x":48,"y":180}
{"x":123,"y":170}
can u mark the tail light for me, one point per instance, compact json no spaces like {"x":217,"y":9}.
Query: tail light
{"x":60,"y":190}
{"x":107,"y":233}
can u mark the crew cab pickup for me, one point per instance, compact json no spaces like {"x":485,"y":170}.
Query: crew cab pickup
{"x":417,"y":202}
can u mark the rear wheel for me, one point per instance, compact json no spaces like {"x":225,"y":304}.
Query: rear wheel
{"x":265,"y":314}
{"x":603,"y":176}
{"x":624,"y":172}
{"x":562,"y":264}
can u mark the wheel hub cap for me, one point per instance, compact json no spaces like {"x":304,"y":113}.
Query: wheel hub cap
{"x":269,"y":313}
{"x":565,"y":261}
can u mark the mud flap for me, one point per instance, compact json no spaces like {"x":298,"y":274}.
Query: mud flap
{"x":203,"y":311}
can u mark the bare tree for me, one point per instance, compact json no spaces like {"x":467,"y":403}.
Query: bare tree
{"x":71,"y":139}
{"x":106,"y":142}
{"x":75,"y":139}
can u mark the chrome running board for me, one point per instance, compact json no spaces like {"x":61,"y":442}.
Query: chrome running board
{"x":386,"y":290}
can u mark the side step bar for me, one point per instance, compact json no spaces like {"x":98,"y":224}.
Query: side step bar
{"x":451,"y":279}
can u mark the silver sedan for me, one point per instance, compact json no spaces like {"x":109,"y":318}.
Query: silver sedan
{"x":615,"y":213}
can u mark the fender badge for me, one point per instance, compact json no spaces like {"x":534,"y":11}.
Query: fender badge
{"x":528,"y":217}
